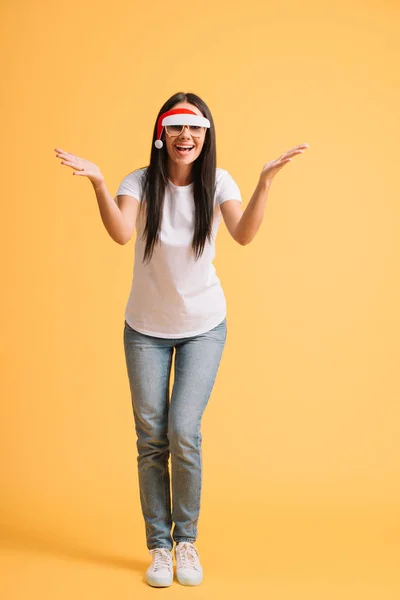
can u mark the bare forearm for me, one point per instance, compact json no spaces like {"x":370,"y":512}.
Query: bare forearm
{"x":111,"y":215}
{"x":252,"y":217}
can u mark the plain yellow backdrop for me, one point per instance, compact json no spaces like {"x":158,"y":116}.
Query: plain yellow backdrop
{"x":301,"y":447}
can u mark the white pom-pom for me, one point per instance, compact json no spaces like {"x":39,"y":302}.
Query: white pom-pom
{"x":158,"y":144}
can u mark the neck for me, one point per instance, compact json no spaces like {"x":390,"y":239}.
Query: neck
{"x":179,"y":174}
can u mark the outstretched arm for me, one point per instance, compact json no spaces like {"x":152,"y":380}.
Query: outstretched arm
{"x":252,"y":217}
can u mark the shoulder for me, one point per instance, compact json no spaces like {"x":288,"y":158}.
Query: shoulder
{"x":136,"y":175}
{"x":223,"y":176}
{"x":226,"y":186}
{"x":220,"y":174}
{"x":131,"y":184}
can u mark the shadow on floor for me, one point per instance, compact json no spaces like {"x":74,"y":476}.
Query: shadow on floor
{"x":51,"y":543}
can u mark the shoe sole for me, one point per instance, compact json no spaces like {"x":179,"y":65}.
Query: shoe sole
{"x":162,"y":583}
{"x":184,"y":581}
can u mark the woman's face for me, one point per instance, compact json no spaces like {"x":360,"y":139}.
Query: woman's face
{"x":185,"y":139}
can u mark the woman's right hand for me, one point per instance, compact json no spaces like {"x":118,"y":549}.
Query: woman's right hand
{"x":80,"y":165}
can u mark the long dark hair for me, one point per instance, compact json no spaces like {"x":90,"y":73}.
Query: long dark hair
{"x":155,"y":181}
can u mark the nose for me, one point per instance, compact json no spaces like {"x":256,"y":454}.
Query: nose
{"x":185,"y":132}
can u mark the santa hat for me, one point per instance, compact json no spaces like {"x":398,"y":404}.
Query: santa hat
{"x":178,"y":116}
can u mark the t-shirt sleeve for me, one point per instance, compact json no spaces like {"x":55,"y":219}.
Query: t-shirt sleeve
{"x":131,"y":185}
{"x":227,"y":188}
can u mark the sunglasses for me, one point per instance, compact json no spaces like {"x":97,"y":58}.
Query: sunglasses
{"x":194,"y":130}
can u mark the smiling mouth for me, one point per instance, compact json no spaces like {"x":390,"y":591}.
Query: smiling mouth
{"x":184,"y":150}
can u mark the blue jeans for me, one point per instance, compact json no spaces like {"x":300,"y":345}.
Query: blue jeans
{"x":167,"y":426}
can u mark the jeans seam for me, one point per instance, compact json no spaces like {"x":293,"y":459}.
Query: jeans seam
{"x":166,"y":483}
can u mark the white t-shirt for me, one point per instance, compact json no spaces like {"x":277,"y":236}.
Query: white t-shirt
{"x":175,"y":296}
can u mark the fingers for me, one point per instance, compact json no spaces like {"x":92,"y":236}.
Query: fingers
{"x":70,"y":160}
{"x":296,"y":150}
{"x":298,"y":147}
{"x":63,"y":154}
{"x":71,"y":164}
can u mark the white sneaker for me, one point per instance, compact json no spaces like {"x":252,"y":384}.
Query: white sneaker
{"x":160,"y":573}
{"x":188,"y":568}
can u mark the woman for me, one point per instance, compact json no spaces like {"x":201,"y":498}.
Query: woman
{"x":176,"y":303}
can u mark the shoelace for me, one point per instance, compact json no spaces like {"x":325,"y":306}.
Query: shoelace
{"x":162,"y":558}
{"x":188,"y":556}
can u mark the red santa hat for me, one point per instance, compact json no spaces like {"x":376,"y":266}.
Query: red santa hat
{"x":178,"y":116}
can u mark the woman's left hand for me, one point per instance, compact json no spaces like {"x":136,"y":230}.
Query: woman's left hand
{"x":271,"y":168}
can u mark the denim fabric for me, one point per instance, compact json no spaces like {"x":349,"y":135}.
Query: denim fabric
{"x":171,"y":426}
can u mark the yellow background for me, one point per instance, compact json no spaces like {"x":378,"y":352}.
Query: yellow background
{"x":301,"y":445}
